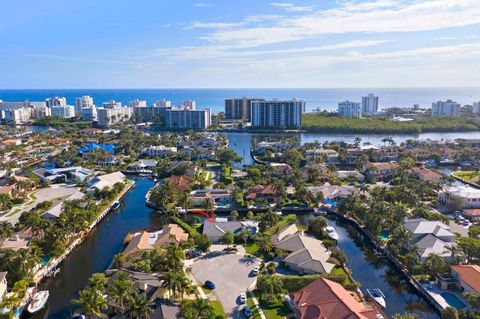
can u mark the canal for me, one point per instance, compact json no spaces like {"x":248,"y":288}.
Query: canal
{"x":373,"y":272}
{"x":96,"y":253}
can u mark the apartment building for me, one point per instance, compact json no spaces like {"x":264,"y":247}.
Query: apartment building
{"x":370,"y":104}
{"x":239,"y":108}
{"x":277,"y":113}
{"x":185,"y":119}
{"x":349,"y":109}
{"x":446,"y":108}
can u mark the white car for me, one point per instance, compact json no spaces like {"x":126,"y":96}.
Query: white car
{"x":243,"y":298}
{"x":256,"y":271}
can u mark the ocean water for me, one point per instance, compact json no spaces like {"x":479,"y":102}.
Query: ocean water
{"x":214,"y":98}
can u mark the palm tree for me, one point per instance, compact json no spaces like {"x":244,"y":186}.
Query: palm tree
{"x":176,"y":282}
{"x":271,"y":286}
{"x":435,"y":265}
{"x":6,"y":229}
{"x":98,"y":281}
{"x":265,"y":244}
{"x":139,"y":307}
{"x":454,"y":251}
{"x":203,"y":307}
{"x":174,"y":257}
{"x":120,"y":292}
{"x":91,"y":302}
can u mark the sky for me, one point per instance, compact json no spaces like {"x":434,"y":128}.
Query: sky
{"x":239,"y":43}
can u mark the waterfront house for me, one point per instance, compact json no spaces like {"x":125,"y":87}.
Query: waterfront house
{"x":280,"y":169}
{"x":151,"y":286}
{"x":108,"y":148}
{"x":431,"y":237}
{"x":55,"y":211}
{"x":385,"y":154}
{"x":350,"y":175}
{"x":351,"y":155}
{"x":219,"y":197}
{"x":426,"y":175}
{"x":159,"y":151}
{"x":107,"y":180}
{"x":329,"y":156}
{"x":141,"y":241}
{"x":180,"y":183}
{"x":166,"y":309}
{"x":11,"y":142}
{"x":266,"y":193}
{"x":143,"y":164}
{"x":468,"y":277}
{"x":380,"y":171}
{"x":462,"y":195}
{"x":215,"y":230}
{"x":307,"y":254}
{"x":64,"y":175}
{"x":19,"y":240}
{"x":326,"y":299}
{"x":3,"y":284}
{"x":333,"y":193}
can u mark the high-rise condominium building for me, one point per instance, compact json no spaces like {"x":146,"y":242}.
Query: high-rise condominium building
{"x":56,"y":101}
{"x":63,"y":111}
{"x":370,"y":104}
{"x":189,"y":104}
{"x":476,"y":108}
{"x":185,"y":119}
{"x":137,"y":103}
{"x":112,"y":104}
{"x":446,"y":108}
{"x":276,"y":113}
{"x":350,"y":109}
{"x":113,"y":115}
{"x":239,"y":109}
{"x":162,"y":103}
{"x":83,"y":102}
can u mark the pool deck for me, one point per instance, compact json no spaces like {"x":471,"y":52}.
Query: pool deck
{"x":435,"y":292}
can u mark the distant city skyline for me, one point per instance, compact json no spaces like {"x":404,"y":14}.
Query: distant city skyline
{"x":239,"y":44}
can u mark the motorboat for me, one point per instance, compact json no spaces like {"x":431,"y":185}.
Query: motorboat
{"x":38,"y":301}
{"x":331,"y":232}
{"x":319,"y":211}
{"x":116,"y":205}
{"x":378,"y":296}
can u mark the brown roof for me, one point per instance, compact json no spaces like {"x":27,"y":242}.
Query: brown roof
{"x":325,"y":299}
{"x":6,"y":189}
{"x":473,"y":212}
{"x":262,"y":190}
{"x":383,"y":166}
{"x":10,"y":141}
{"x":470,"y":274}
{"x":170,"y":234}
{"x":180,"y":182}
{"x":425,"y":173}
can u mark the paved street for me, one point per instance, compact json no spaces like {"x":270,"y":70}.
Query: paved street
{"x":231,"y":274}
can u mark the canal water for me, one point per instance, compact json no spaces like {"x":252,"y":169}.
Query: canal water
{"x":373,"y":272}
{"x":95,"y":254}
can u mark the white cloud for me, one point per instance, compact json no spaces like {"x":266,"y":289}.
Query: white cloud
{"x":202,"y":5}
{"x":291,"y":7}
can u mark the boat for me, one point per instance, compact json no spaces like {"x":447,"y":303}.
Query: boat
{"x":116,"y":205}
{"x":378,"y":296}
{"x":319,"y":212}
{"x":38,"y":301}
{"x":331,"y":232}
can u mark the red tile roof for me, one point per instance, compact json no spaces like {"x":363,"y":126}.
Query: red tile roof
{"x":180,"y":182}
{"x":470,"y":274}
{"x":261,"y":190}
{"x":325,"y":299}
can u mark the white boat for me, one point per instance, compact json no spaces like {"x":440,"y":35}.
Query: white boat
{"x":331,"y":232}
{"x":116,"y":205}
{"x":317,"y":211}
{"x":38,"y":301}
{"x":378,"y":296}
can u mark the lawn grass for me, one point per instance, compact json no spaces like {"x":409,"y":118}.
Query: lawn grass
{"x":471,"y":177}
{"x":341,"y":271}
{"x":252,"y":306}
{"x":206,"y":290}
{"x":251,"y":248}
{"x":217,"y":308}
{"x":279,"y":310}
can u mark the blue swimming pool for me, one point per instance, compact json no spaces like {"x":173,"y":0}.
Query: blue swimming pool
{"x":453,"y":300}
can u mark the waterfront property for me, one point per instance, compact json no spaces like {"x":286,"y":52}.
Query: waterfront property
{"x":215,"y":230}
{"x":468,"y":277}
{"x":462,"y":196}
{"x":327,"y":299}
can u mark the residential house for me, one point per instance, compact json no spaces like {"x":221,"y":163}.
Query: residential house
{"x":166,"y":309}
{"x":333,"y":193}
{"x":141,"y":241}
{"x":284,"y":233}
{"x":151,"y":286}
{"x":463,"y":196}
{"x":107,"y":180}
{"x":215,"y":230}
{"x":380,"y":171}
{"x":180,"y":183}
{"x":350,"y":175}
{"x":326,"y":299}
{"x":110,"y":149}
{"x":64,"y":175}
{"x":280,"y":169}
{"x":263,"y":193}
{"x":329,"y":156}
{"x":159,"y":151}
{"x":430,"y":237}
{"x":3,"y":284}
{"x":11,"y":142}
{"x":307,"y":254}
{"x":468,"y":277}
{"x":426,"y":175}
{"x":55,"y":211}
{"x":19,"y":240}
{"x":219,"y":197}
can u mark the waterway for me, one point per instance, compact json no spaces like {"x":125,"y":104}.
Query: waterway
{"x":241,"y":142}
{"x":373,"y":272}
{"x":96,"y":253}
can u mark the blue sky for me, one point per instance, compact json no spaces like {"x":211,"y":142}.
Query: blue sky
{"x":232,"y":43}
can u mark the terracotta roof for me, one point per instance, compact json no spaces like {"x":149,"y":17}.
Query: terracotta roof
{"x":470,"y":274}
{"x":6,"y":189}
{"x":169,"y":234}
{"x":383,"y":166}
{"x":10,"y":141}
{"x":425,"y":173}
{"x":474,"y":212}
{"x":181,"y":182}
{"x":262,"y":190}
{"x":325,"y":299}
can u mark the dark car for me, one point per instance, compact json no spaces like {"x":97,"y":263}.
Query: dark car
{"x":210,"y":285}
{"x":247,"y":311}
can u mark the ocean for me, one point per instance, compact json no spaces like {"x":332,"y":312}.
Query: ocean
{"x":214,"y":98}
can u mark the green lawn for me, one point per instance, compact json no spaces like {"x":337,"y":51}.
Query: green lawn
{"x":218,"y":308}
{"x":472,"y":177}
{"x":341,"y":271}
{"x":251,"y":248}
{"x":276,"y":311}
{"x":252,"y":306}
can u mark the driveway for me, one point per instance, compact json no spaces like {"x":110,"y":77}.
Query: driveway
{"x":231,"y":274}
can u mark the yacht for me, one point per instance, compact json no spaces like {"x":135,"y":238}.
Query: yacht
{"x":38,"y":301}
{"x":317,"y":211}
{"x":116,"y":205}
{"x":378,"y":296}
{"x":331,"y":232}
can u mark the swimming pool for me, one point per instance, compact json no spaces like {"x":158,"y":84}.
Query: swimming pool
{"x":453,"y":300}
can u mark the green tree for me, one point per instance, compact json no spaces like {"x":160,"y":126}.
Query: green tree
{"x":450,"y":313}
{"x":197,"y":309}
{"x":270,"y":286}
{"x":177,"y":283}
{"x":120,"y":292}
{"x":227,"y":238}
{"x":234,"y":214}
{"x":91,"y":302}
{"x":317,"y":224}
{"x":139,"y":307}
{"x":405,"y":316}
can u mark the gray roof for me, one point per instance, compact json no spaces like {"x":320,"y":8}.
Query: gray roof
{"x":429,"y":244}
{"x":166,"y":309}
{"x":422,"y":226}
{"x":3,"y":275}
{"x":218,"y":229}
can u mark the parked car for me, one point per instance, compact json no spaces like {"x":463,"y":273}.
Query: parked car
{"x":256,"y":270}
{"x":197,"y":252}
{"x":247,"y":311}
{"x":210,"y":285}
{"x":242,"y":298}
